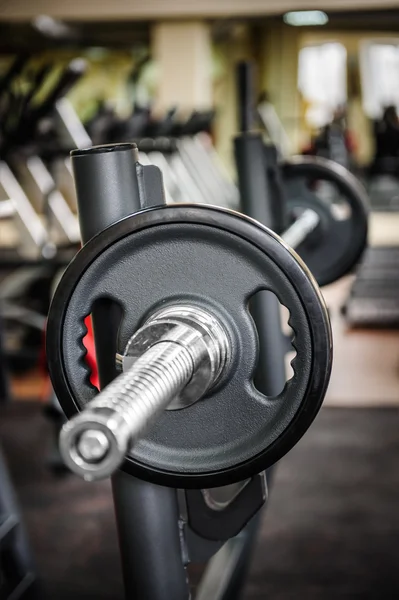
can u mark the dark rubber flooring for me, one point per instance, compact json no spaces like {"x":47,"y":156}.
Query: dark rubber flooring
{"x":331,"y":529}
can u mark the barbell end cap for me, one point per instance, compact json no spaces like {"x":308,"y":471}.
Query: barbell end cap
{"x":89,"y":469}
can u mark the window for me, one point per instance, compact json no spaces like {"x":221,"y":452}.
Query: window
{"x":380,"y":76}
{"x":322,"y":80}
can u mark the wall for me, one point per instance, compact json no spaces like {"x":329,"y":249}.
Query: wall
{"x":182,"y":53}
{"x":278,"y":59}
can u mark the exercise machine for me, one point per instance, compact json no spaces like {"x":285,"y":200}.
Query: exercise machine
{"x":331,"y":235}
{"x":195,"y":407}
{"x":187,"y":342}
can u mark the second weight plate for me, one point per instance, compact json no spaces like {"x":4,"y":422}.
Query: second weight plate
{"x":341,"y":204}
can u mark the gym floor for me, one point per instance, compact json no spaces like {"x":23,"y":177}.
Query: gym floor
{"x":331,"y":527}
{"x":330,"y":530}
{"x":366,"y":362}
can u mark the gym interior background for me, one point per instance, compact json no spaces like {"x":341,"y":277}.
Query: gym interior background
{"x":324,"y":79}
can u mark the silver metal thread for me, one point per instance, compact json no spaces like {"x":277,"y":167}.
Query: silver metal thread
{"x":123,"y":411}
{"x":143,"y":391}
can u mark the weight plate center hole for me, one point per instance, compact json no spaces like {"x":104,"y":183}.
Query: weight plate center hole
{"x":332,"y":198}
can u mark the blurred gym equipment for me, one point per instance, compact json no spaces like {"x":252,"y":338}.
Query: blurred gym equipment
{"x":373,"y":299}
{"x":46,"y":233}
{"x":336,"y":199}
{"x":17,"y":572}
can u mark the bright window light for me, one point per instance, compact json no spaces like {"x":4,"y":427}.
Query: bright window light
{"x":380,"y":75}
{"x":303,"y":18}
{"x":322,"y":80}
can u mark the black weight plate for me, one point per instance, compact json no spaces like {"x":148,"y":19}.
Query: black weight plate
{"x":219,"y":259}
{"x":337,"y":245}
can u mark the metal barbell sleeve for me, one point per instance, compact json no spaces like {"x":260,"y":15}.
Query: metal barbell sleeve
{"x":173,"y":359}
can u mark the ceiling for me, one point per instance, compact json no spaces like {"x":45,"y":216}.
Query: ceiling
{"x":115,"y":10}
{"x":21,"y":35}
{"x":372,"y":20}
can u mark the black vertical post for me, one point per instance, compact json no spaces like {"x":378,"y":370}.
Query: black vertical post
{"x":236,"y":585}
{"x":106,"y":186}
{"x":107,"y":189}
{"x":245,"y":95}
{"x":257,"y":201}
{"x":147,"y":518}
{"x":277,"y":192}
{"x":4,"y":383}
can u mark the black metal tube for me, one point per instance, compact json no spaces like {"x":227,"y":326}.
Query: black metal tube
{"x":14,"y":70}
{"x":245,"y":96}
{"x":106,"y":186}
{"x":107,"y":190}
{"x":70,"y":76}
{"x":257,"y":202}
{"x":147,"y":515}
{"x":4,"y":381}
{"x":148,"y":527}
{"x":248,"y":538}
{"x":255,"y":192}
{"x":277,"y":194}
{"x":36,"y":85}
